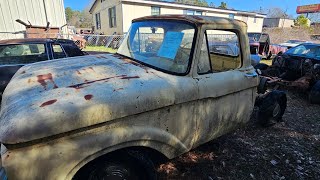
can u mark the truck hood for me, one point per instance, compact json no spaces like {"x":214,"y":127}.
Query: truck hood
{"x":53,"y":97}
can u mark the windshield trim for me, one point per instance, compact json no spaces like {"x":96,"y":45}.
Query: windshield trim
{"x":191,"y":51}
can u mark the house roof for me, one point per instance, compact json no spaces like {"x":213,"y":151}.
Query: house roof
{"x":187,"y":6}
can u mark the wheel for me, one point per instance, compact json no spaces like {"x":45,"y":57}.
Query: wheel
{"x":261,"y":66}
{"x":120,"y":166}
{"x":314,"y":94}
{"x":271,"y":108}
{"x":262,"y":87}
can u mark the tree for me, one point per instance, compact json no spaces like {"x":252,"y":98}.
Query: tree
{"x":193,"y":2}
{"x":76,"y":18}
{"x":301,"y":21}
{"x":69,"y":13}
{"x":277,"y":12}
{"x":223,"y":5}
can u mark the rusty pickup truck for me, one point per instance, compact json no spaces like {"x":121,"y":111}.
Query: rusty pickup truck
{"x":165,"y":92}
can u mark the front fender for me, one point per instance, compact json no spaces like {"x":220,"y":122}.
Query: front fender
{"x":62,"y":158}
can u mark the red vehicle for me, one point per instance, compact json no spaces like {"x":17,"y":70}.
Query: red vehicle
{"x":260,"y":45}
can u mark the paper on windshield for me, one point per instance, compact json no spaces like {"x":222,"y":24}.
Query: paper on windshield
{"x":170,"y":45}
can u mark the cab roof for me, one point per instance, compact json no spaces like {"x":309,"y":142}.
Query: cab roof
{"x":198,"y":20}
{"x":32,"y":40}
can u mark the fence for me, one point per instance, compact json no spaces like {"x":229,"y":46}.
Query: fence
{"x":87,"y":42}
{"x":104,"y":43}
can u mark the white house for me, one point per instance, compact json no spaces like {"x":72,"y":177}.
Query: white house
{"x":37,"y":12}
{"x":115,"y":16}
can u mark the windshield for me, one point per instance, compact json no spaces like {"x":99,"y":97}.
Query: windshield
{"x":22,"y":53}
{"x":164,"y":45}
{"x":254,"y":36}
{"x":306,"y":50}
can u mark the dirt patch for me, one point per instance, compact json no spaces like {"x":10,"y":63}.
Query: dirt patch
{"x":288,"y":150}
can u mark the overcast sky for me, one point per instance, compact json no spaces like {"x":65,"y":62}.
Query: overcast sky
{"x":244,"y":5}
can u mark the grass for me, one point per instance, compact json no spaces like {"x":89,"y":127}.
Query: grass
{"x":100,"y":49}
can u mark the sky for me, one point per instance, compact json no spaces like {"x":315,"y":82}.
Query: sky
{"x":244,"y":5}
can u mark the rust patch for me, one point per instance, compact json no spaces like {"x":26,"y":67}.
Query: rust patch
{"x":130,"y":77}
{"x":82,"y":85}
{"x":29,"y":81}
{"x":48,"y":103}
{"x":78,"y":72}
{"x":92,"y":69}
{"x":46,"y":77}
{"x":88,"y":97}
{"x":23,"y":72}
{"x":117,"y":89}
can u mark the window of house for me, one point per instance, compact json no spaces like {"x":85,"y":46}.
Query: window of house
{"x":245,"y":18}
{"x":98,"y":21}
{"x":112,"y":17}
{"x":255,"y":20}
{"x":155,"y":10}
{"x":231,"y":16}
{"x":193,"y":12}
{"x":224,"y":50}
{"x":58,"y":52}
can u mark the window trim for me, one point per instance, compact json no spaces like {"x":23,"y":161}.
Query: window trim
{"x":210,"y":71}
{"x":98,"y":23}
{"x":155,"y":7}
{"x":61,"y":48}
{"x":192,"y":51}
{"x":110,"y":10}
{"x":240,"y":48}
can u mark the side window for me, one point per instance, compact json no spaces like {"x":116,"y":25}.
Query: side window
{"x":204,"y":61}
{"x":58,"y":51}
{"x":72,"y":50}
{"x":224,"y":50}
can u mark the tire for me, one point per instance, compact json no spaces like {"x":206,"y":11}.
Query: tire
{"x":261,"y":66}
{"x":262,"y":87}
{"x":271,"y":108}
{"x":125,"y":165}
{"x":314,"y":94}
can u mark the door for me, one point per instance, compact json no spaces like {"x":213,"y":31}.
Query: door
{"x":226,"y":88}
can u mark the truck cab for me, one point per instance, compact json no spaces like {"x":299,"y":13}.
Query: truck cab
{"x":172,"y":86}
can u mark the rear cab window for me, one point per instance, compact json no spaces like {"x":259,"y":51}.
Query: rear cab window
{"x":22,"y":53}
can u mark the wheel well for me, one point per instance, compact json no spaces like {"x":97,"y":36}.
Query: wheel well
{"x":156,"y":157}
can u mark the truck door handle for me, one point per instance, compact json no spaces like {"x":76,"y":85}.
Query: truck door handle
{"x":251,"y":75}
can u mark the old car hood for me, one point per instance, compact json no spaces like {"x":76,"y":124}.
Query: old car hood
{"x":53,"y":97}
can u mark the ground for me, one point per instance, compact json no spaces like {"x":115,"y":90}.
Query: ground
{"x":288,"y":150}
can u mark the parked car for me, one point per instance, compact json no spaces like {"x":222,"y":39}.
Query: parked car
{"x":15,"y":53}
{"x":260,"y":45}
{"x":112,"y":115}
{"x":299,"y":68}
{"x":292,"y":43}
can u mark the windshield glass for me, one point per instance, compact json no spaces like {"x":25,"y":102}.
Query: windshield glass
{"x":164,"y":45}
{"x":22,"y":53}
{"x":254,"y":36}
{"x":305,"y":50}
